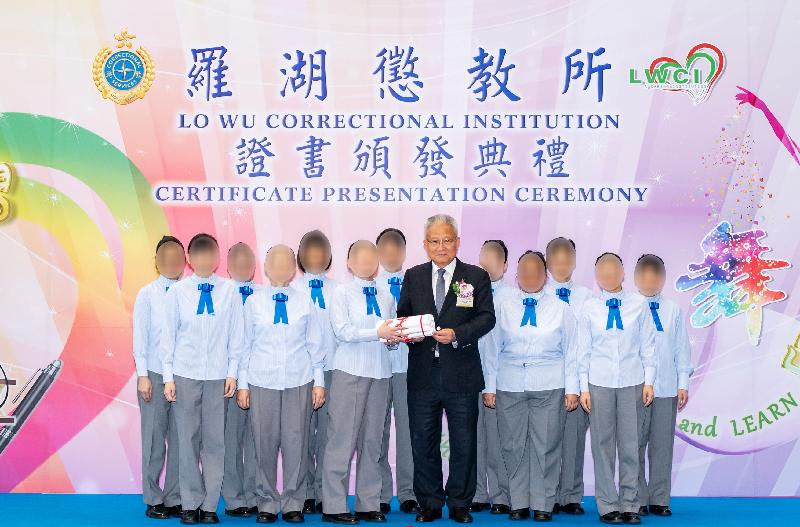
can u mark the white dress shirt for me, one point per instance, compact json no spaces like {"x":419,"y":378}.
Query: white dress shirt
{"x":202,"y":347}
{"x":527,"y":358}
{"x":673,"y":351}
{"x":398,"y":354}
{"x":616,"y":358}
{"x":239,"y":285}
{"x":448,"y":276}
{"x":277,"y":355}
{"x":328,"y":285}
{"x":359,"y":350}
{"x":578,"y":294}
{"x":148,"y":321}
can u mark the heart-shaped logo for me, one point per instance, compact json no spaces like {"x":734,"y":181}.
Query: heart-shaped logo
{"x":696,"y":76}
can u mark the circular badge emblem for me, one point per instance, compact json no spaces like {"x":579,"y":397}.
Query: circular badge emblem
{"x":124,"y":70}
{"x":123,"y":76}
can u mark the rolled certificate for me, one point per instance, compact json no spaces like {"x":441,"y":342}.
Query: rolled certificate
{"x":413,"y":327}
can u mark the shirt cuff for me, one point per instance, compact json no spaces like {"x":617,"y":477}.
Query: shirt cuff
{"x":166,"y":375}
{"x":683,"y":381}
{"x":491,"y":385}
{"x":233,"y":367}
{"x":571,"y":387}
{"x":319,"y":378}
{"x":584,"y":380}
{"x":649,"y":375}
{"x":141,"y":367}
{"x":241,"y":381}
{"x":369,"y":333}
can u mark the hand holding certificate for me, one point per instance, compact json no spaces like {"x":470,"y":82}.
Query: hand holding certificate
{"x":414,"y":327}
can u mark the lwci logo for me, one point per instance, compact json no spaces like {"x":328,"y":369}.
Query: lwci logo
{"x":696,"y":76}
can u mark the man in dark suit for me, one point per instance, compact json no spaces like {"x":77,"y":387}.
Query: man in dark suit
{"x":444,"y":370}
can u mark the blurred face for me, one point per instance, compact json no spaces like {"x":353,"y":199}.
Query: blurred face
{"x":279,"y":266}
{"x":491,"y":259}
{"x":649,"y":282}
{"x":561,"y":264}
{"x":531,"y":274}
{"x":363,"y":261}
{"x":441,"y":243}
{"x":609,"y":274}
{"x":204,"y":261}
{"x":315,"y":259}
{"x":242,"y":265}
{"x":391,"y":255}
{"x":170,"y":260}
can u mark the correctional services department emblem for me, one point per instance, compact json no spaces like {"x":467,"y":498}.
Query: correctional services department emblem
{"x":123,"y":76}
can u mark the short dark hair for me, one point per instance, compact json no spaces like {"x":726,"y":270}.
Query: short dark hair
{"x":167,"y":239}
{"x":202,"y":242}
{"x":650,"y":261}
{"x":615,"y":255}
{"x":314,"y":238}
{"x":392,"y":235}
{"x":558,"y":244}
{"x":535,"y":253}
{"x":502,"y":246}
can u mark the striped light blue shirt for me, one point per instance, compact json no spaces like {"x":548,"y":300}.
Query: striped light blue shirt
{"x":399,"y":354}
{"x":328,"y":285}
{"x":578,"y":294}
{"x":148,"y":321}
{"x":500,"y":289}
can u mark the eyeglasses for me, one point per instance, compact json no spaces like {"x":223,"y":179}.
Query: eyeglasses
{"x":445,"y":242}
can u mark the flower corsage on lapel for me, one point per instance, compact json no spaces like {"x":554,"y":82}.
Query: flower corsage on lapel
{"x":465,"y":293}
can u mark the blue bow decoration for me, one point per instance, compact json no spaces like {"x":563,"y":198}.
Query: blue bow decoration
{"x":563,"y":294}
{"x":654,"y":311}
{"x":206,"y":303}
{"x":281,"y":316}
{"x":614,"y":317}
{"x":395,"y":284}
{"x":316,"y":292}
{"x":529,"y":317}
{"x":372,"y":302}
{"x":245,"y":291}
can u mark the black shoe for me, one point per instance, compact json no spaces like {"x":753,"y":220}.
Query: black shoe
{"x":344,"y":518}
{"x":631,"y":518}
{"x":293,"y":517}
{"x":556,"y":508}
{"x":478,"y":506}
{"x":428,"y":515}
{"x":500,"y":509}
{"x":157,"y":512}
{"x":614,"y":518}
{"x":643,"y":511}
{"x":519,"y":514}
{"x":409,"y":506}
{"x":319,"y":507}
{"x":570,"y":508}
{"x":238,"y":512}
{"x":266,"y":517}
{"x":190,"y":517}
{"x":542,"y":516}
{"x":371,"y":516}
{"x":309,"y":506}
{"x":460,"y":515}
{"x":386,"y":508}
{"x":660,"y":510}
{"x":176,"y":511}
{"x":208,"y":517}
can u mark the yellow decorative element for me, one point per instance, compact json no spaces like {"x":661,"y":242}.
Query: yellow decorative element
{"x":123,"y":76}
{"x":7,"y":174}
{"x":791,"y":361}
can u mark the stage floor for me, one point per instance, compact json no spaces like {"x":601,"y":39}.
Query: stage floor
{"x":123,"y":510}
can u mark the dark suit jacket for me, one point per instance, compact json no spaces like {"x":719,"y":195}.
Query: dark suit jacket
{"x":460,"y":366}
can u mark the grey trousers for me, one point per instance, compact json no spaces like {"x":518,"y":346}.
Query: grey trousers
{"x":573,"y":448}
{"x":658,"y":438}
{"x":531,"y":427}
{"x":159,"y":431}
{"x":316,"y":444}
{"x":616,"y":423}
{"x":493,"y":484}
{"x":280,"y":421}
{"x":357,"y":413}
{"x":239,"y":483}
{"x":404,"y":461}
{"x":200,"y":414}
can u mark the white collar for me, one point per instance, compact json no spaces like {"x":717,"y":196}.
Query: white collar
{"x":449,"y":268}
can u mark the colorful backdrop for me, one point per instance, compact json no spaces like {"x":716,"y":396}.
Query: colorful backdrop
{"x":660,"y":128}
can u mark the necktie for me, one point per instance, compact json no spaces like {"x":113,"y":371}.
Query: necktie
{"x":206,"y":303}
{"x":529,"y":316}
{"x":372,"y":302}
{"x":440,"y":291}
{"x":654,"y":311}
{"x":245,"y":291}
{"x":316,"y":292}
{"x":614,"y":318}
{"x":563,"y":294}
{"x":281,"y":316}
{"x":395,"y":283}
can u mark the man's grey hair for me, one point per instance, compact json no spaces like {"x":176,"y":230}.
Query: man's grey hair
{"x":441,"y":218}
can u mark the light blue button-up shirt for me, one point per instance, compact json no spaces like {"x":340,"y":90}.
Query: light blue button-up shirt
{"x":360,"y":351}
{"x":616,"y":358}
{"x":303,"y":283}
{"x":673,"y":351}
{"x":148,"y":321}
{"x":252,"y":285}
{"x":281,"y":356}
{"x":202,"y":347}
{"x":578,"y":294}
{"x":398,"y":354}
{"x":532,"y":358}
{"x":500,"y":289}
